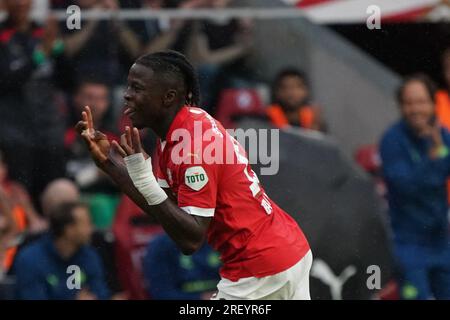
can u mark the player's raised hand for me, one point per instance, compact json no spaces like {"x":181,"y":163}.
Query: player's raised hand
{"x":139,"y":166}
{"x":130,"y":143}
{"x":96,"y":141}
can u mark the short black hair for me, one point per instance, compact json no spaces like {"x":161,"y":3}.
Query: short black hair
{"x":290,"y":72}
{"x":82,"y":81}
{"x":284,"y":73}
{"x":62,"y":216}
{"x":419,"y":77}
{"x":175,"y":64}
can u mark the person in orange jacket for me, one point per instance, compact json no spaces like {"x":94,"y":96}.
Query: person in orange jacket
{"x":443,"y":100}
{"x":291,"y":106}
{"x":443,"y":95}
{"x":17,"y":215}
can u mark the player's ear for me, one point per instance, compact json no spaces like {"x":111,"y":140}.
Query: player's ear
{"x":170,"y":97}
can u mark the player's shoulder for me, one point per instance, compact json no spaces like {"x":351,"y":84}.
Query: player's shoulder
{"x":199,"y":124}
{"x":196,"y":112}
{"x":196,"y":131}
{"x":197,"y":116}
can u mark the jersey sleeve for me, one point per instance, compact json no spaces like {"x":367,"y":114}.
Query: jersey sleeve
{"x":197,"y":193}
{"x":160,"y":176}
{"x":198,"y":176}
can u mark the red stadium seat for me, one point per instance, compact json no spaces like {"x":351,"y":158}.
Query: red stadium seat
{"x":390,"y":291}
{"x":368,"y":158}
{"x":234,"y":103}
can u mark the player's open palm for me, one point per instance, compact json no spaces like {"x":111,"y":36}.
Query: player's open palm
{"x":96,"y":141}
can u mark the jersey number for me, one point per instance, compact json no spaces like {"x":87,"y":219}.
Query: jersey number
{"x":253,"y":178}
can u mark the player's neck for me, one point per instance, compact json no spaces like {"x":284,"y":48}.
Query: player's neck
{"x":162,"y":128}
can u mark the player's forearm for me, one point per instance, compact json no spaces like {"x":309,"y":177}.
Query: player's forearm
{"x":183,"y":228}
{"x":186,"y":230}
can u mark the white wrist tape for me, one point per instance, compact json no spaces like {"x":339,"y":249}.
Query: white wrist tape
{"x":140,"y":171}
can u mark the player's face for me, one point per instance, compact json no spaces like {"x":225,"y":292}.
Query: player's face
{"x":292,"y":92}
{"x":417,"y":106}
{"x":143,"y":97}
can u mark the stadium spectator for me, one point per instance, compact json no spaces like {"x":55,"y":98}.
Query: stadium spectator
{"x":291,"y":104}
{"x":56,"y":193}
{"x":443,"y":99}
{"x":162,"y":34}
{"x":416,"y":163}
{"x":17,"y":216}
{"x":63,"y":191}
{"x":171,"y":275}
{"x":95,"y":187}
{"x":219,"y":49}
{"x":19,"y":200}
{"x":8,"y":231}
{"x":96,"y":94}
{"x":104,"y":48}
{"x":32,"y":61}
{"x":42,"y":268}
{"x":165,"y":34}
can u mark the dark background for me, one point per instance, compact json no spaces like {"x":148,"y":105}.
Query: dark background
{"x":404,"y":47}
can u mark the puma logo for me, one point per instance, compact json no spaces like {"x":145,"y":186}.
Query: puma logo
{"x":323,"y":272}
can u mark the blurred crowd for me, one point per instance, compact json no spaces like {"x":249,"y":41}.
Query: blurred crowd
{"x":58,"y":210}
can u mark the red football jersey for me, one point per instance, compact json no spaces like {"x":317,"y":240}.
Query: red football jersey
{"x":208,"y":171}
